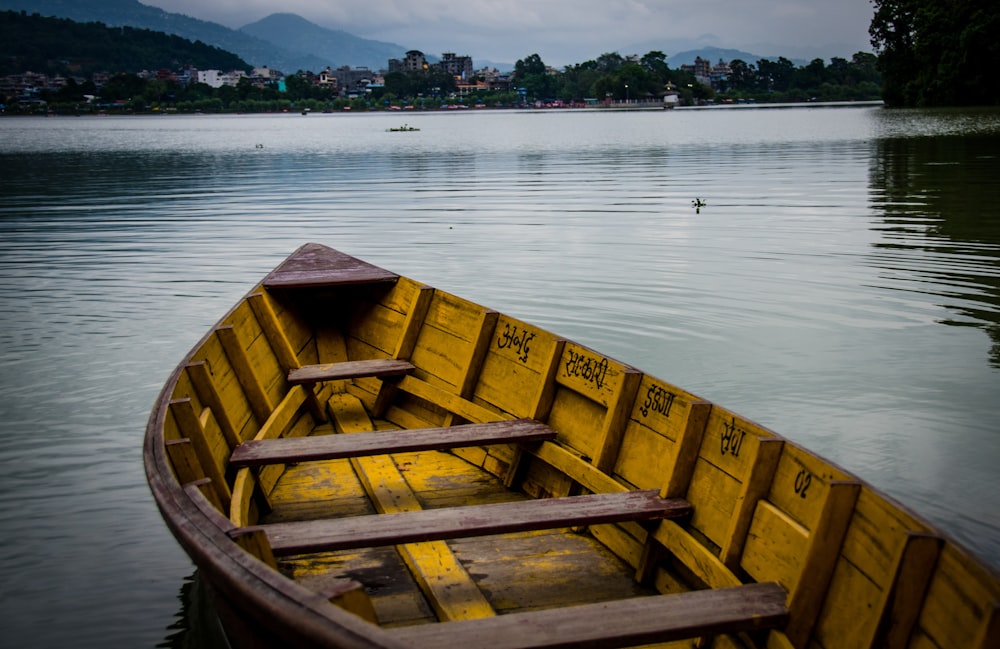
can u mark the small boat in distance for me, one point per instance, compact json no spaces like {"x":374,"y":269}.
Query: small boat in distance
{"x":404,"y":127}
{"x":355,"y":459}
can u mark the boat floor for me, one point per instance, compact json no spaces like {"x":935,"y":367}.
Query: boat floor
{"x":514,"y":572}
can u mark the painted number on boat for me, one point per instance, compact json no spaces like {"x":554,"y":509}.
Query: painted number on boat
{"x":517,"y":341}
{"x":587,"y":367}
{"x":732,"y":438}
{"x":802,"y":482}
{"x":657,"y":400}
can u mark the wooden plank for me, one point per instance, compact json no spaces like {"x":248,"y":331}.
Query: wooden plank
{"x":448,"y":587}
{"x":547,"y":385}
{"x":350,"y":595}
{"x":961,"y":606}
{"x":332,"y":447}
{"x":447,"y":400}
{"x":474,"y":520}
{"x":576,"y":468}
{"x":283,"y":415}
{"x":589,"y":373}
{"x":268,"y":322}
{"x":806,"y":600}
{"x":282,"y":348}
{"x":775,"y":546}
{"x":256,"y":395}
{"x":676,"y":483}
{"x":203,"y":384}
{"x":448,"y":340}
{"x":698,"y":558}
{"x":902,"y":606}
{"x":414,"y":321}
{"x":657,"y":423}
{"x":619,"y":623}
{"x":315,"y":265}
{"x":245,"y":487}
{"x":380,"y":367}
{"x":755,"y":485}
{"x":477,"y":354}
{"x":613,"y":428}
{"x":190,"y":426}
{"x":514,"y":366}
{"x":544,"y":392}
{"x":406,"y":342}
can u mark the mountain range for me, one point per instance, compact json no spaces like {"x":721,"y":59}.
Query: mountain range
{"x":288,"y":42}
{"x":282,"y":41}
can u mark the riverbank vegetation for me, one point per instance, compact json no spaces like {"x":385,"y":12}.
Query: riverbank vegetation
{"x":934,"y":53}
{"x":610,"y":78}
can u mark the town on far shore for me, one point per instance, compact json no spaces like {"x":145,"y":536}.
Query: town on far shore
{"x":415,"y":82}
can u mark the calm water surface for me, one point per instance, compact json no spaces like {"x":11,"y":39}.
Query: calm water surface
{"x":842,"y":287}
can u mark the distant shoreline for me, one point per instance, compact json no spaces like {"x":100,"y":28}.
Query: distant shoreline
{"x":645,"y":107}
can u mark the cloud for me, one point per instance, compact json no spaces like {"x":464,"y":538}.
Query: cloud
{"x":567,"y":31}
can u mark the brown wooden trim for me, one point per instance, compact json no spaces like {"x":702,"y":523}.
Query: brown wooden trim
{"x":619,"y":623}
{"x":473,"y":520}
{"x":315,"y":265}
{"x":380,"y":367}
{"x":332,"y":447}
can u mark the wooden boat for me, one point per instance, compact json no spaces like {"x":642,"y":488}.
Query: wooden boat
{"x":354,"y":459}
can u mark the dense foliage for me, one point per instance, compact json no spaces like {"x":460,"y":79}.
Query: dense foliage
{"x":60,"y":46}
{"x":636,"y":79}
{"x":937,"y":52}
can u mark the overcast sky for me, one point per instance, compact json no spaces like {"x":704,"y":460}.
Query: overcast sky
{"x":571,"y":31}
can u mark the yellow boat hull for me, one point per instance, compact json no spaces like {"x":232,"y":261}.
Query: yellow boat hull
{"x":352,"y":458}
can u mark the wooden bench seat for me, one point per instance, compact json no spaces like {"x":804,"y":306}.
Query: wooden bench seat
{"x":380,"y":367}
{"x":332,"y":447}
{"x":619,"y":623}
{"x":474,"y":520}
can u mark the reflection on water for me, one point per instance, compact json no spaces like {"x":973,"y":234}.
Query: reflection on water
{"x":840,"y":287}
{"x":196,"y":626}
{"x":941,"y":234}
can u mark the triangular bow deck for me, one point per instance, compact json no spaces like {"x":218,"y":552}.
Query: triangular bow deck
{"x":315,"y":265}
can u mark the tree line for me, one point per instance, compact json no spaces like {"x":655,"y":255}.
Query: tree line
{"x":637,"y":78}
{"x":610,"y":76}
{"x":62,"y":46}
{"x":937,"y":52}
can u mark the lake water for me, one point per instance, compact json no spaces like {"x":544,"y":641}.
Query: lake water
{"x":841,"y":286}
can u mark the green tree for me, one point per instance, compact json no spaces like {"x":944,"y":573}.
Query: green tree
{"x":655,"y":62}
{"x":610,"y":62}
{"x":123,"y":87}
{"x":532,"y":74}
{"x":531,"y":65}
{"x":742,"y":76}
{"x":937,"y":52}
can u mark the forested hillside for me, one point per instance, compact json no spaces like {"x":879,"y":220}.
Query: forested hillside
{"x":60,"y":46}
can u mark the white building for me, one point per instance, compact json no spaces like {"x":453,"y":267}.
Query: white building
{"x":217,"y":78}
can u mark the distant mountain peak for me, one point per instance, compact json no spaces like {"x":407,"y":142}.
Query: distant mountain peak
{"x":283,"y":41}
{"x":337,"y":46}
